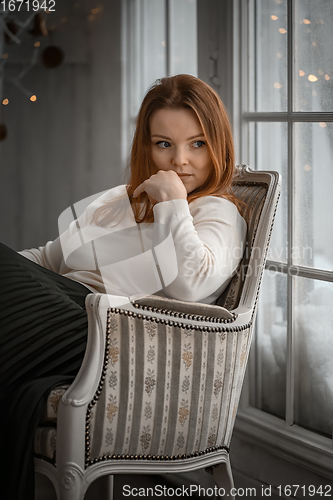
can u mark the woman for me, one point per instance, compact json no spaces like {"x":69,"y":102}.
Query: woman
{"x":181,"y":169}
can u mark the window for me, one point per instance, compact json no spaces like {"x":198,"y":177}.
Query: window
{"x":159,"y":39}
{"x":286,"y":124}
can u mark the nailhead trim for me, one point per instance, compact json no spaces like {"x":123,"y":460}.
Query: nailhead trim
{"x":116,"y":310}
{"x":176,"y":314}
{"x":157,"y":458}
{"x":99,"y":389}
{"x":47,"y":459}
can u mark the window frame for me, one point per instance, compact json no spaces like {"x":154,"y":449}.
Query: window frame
{"x":300,"y":445}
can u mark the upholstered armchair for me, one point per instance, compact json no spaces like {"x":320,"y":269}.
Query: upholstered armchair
{"x":160,"y":383}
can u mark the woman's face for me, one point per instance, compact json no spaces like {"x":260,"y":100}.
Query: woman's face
{"x":178,"y":143}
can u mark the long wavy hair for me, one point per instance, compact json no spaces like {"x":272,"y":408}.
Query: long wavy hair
{"x":177,"y":92}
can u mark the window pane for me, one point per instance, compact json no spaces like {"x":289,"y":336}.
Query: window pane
{"x":153,"y":42}
{"x":313,"y":354}
{"x":270,"y":344}
{"x":313,"y":195}
{"x":270,"y":140}
{"x":270,"y":43}
{"x":183,"y":37}
{"x":313,"y":55}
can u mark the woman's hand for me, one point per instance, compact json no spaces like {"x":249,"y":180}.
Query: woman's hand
{"x":163,"y":186}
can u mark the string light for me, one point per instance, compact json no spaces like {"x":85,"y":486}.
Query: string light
{"x":33,"y":98}
{"x":277,"y":85}
{"x":307,"y":168}
{"x":274,"y":18}
{"x":327,"y":77}
{"x":282,"y":30}
{"x":322,"y":124}
{"x":312,"y":78}
{"x":306,"y":21}
{"x":301,"y":73}
{"x":5,"y":101}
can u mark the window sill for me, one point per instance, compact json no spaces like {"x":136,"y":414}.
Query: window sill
{"x":293,"y":443}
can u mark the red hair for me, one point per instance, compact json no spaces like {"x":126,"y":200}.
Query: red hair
{"x":177,"y":92}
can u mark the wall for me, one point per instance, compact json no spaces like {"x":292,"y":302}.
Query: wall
{"x":67,"y":144}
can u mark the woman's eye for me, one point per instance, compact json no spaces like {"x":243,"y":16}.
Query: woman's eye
{"x":163,"y":144}
{"x":198,"y":144}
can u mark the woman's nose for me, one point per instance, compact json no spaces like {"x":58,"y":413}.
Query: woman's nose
{"x":180,"y":157}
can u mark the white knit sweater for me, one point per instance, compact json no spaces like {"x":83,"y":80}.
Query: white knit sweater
{"x":195,"y":263}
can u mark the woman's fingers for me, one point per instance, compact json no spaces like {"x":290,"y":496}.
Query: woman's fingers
{"x":162,"y":186}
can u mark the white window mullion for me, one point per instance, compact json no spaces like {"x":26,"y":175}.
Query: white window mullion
{"x":290,"y":367}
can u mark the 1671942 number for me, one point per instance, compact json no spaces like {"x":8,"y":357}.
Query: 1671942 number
{"x":35,"y":5}
{"x":305,"y":491}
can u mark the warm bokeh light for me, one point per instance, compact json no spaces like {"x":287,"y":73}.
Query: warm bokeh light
{"x":277,"y":85}
{"x":5,"y":101}
{"x":307,"y":168}
{"x":37,"y":44}
{"x":327,"y":77}
{"x":282,"y":30}
{"x":33,"y":98}
{"x":96,"y":10}
{"x":301,"y":73}
{"x":274,"y":18}
{"x":312,"y":78}
{"x":314,"y":43}
{"x":322,"y":124}
{"x":306,"y":21}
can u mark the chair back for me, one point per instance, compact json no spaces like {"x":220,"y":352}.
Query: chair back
{"x":258,"y":192}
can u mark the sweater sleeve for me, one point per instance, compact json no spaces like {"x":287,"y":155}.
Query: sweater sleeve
{"x":209,"y":236}
{"x":51,"y":255}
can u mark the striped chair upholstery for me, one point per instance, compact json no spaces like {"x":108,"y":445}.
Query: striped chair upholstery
{"x":164,"y":393}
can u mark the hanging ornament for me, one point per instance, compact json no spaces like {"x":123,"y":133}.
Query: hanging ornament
{"x":13,"y":28}
{"x":52,"y":56}
{"x":3,"y":131}
{"x":39,"y":28}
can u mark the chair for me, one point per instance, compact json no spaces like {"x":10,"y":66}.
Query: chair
{"x":160,"y":383}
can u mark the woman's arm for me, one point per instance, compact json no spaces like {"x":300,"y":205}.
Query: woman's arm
{"x":209,"y":236}
{"x":49,"y":256}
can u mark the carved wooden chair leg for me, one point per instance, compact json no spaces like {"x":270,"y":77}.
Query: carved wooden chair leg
{"x":222,"y":476}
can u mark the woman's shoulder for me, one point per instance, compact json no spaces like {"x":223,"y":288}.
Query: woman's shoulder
{"x":217,"y":209}
{"x":218,"y":205}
